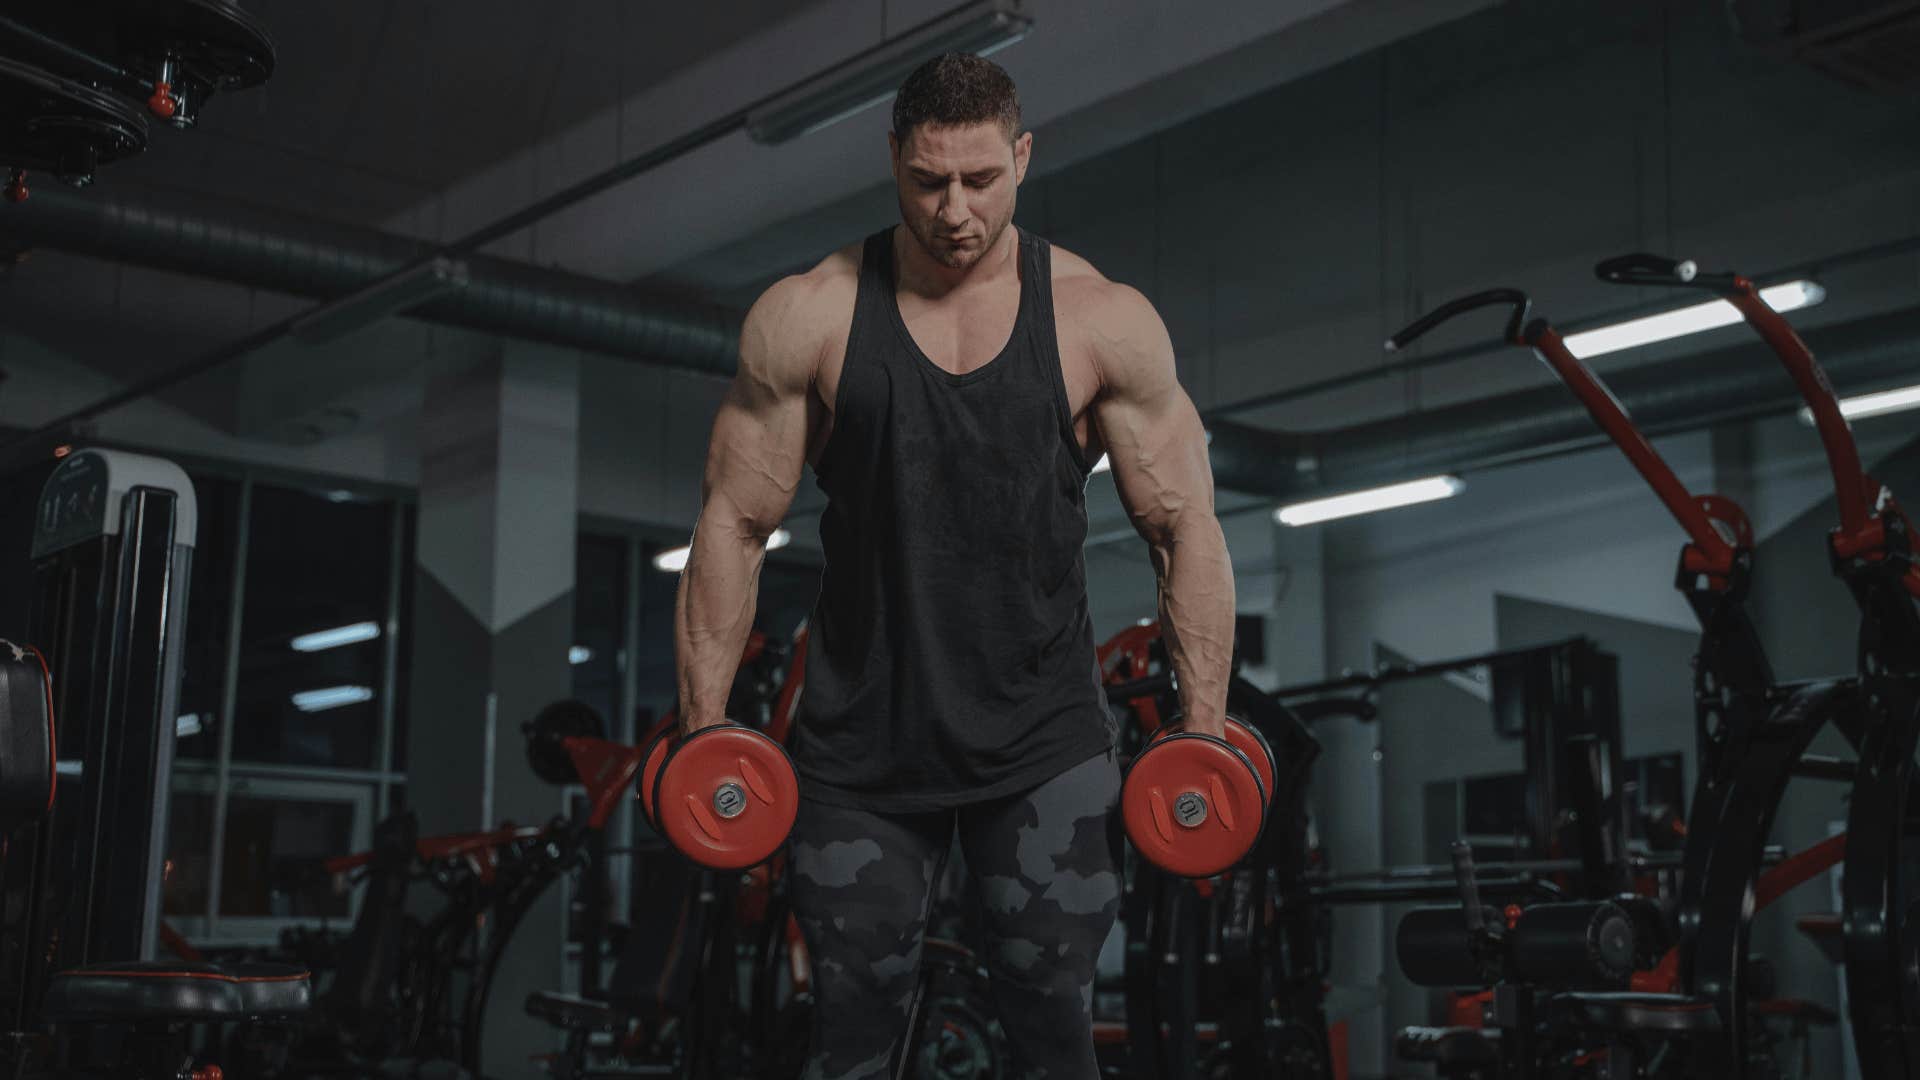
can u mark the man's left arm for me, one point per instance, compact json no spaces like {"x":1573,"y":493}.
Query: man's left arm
{"x":1158,"y":451}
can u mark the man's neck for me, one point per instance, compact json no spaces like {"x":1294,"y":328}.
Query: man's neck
{"x":919,"y":273}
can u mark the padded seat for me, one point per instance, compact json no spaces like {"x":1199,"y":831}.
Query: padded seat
{"x":571,"y":1013}
{"x":1449,"y":1047}
{"x":156,"y":991}
{"x":1630,"y":1013}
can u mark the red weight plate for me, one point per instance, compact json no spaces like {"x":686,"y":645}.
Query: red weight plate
{"x":1247,"y":739}
{"x":1193,"y":805}
{"x":1243,"y":737}
{"x":656,"y":755}
{"x":726,"y":797}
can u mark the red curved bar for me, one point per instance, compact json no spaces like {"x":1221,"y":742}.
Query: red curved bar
{"x":1715,"y":554}
{"x":1799,"y":869}
{"x":1842,"y":455}
{"x":607,"y":769}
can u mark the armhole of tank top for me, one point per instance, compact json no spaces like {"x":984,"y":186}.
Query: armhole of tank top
{"x":860,"y":289}
{"x":1045,"y":335}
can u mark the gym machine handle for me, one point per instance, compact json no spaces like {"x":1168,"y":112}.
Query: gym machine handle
{"x":1843,"y":457}
{"x":1514,"y":297}
{"x":1710,"y":553}
{"x":1641,"y":268}
{"x":1469,"y":891}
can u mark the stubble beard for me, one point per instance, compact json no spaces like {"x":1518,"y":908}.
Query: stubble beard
{"x":953,"y":258}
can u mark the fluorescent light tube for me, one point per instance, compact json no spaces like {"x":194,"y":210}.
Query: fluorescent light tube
{"x":351,"y":634}
{"x":1687,"y":320}
{"x":331,"y":698}
{"x":1370,"y":500}
{"x":675,"y":560}
{"x":874,"y":76}
{"x":1886,"y":401}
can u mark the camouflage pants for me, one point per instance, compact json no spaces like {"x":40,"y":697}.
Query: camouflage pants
{"x":1042,"y":864}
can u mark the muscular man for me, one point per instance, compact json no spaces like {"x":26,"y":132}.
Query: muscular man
{"x":951,"y":381}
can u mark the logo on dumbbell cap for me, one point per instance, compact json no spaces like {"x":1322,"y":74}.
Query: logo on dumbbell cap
{"x":729,"y":800}
{"x":1190,"y":809}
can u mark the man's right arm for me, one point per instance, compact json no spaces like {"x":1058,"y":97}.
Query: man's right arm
{"x":754,"y":462}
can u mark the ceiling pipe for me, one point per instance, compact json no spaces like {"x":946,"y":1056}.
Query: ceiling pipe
{"x":326,"y":261}
{"x":515,"y":299}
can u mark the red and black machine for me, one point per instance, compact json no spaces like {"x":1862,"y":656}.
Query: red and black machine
{"x":1752,"y":736}
{"x":1871,"y":551}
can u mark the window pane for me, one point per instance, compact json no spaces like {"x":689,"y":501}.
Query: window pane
{"x":189,"y":854}
{"x":654,"y":675}
{"x":599,"y":614}
{"x":210,"y":593}
{"x":261,"y":831}
{"x":310,"y":636}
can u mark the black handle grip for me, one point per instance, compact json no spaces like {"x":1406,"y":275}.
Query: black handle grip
{"x":1516,"y":298}
{"x":1641,"y":268}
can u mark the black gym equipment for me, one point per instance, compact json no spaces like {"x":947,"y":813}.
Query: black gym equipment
{"x":1241,"y":956}
{"x":61,"y":64}
{"x":84,"y":989}
{"x":1752,"y":736}
{"x":59,"y":126}
{"x":1871,"y":551}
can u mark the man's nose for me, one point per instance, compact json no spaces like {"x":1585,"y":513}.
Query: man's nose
{"x":953,"y":207}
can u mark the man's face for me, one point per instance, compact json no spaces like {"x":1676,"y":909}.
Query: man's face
{"x":957,"y":186}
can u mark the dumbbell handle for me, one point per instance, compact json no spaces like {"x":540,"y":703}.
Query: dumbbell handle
{"x":1469,"y":889}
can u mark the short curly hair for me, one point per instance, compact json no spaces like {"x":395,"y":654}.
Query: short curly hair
{"x":953,"y":89}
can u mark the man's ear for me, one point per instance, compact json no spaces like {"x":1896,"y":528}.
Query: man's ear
{"x":1022,"y":153}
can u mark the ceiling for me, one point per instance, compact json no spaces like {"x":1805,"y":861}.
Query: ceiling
{"x":377,"y":105}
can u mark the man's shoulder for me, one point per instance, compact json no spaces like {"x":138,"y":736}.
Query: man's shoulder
{"x":800,"y":315}
{"x":815,"y":292}
{"x":1082,"y":293}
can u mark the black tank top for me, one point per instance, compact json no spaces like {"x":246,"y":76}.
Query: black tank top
{"x":950,"y":656}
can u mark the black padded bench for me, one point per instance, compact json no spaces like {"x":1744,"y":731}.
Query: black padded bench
{"x":156,"y":992}
{"x":1630,"y":1013}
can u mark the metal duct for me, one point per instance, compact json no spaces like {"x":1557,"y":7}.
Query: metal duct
{"x":1685,"y":393}
{"x":326,"y":260}
{"x":514,"y":299}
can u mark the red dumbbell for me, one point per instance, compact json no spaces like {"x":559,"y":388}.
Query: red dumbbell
{"x":725,"y":796}
{"x":1193,"y":804}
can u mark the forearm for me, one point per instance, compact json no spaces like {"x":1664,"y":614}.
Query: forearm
{"x":713,"y":617}
{"x":1195,"y":578}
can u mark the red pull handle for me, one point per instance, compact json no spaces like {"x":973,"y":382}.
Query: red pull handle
{"x":162,"y":103}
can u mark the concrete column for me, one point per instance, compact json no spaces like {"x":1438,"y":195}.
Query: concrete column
{"x":493,"y":619}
